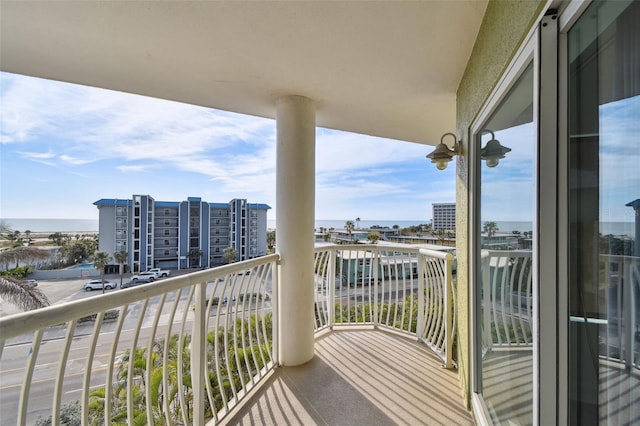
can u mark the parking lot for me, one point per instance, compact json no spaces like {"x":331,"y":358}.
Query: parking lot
{"x":60,"y":291}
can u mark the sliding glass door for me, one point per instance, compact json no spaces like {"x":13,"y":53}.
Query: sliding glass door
{"x":604,"y":221}
{"x":504,"y":295}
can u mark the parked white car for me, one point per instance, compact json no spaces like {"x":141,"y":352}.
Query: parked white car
{"x":160,"y":273}
{"x":97,"y":285}
{"x":148,"y":275}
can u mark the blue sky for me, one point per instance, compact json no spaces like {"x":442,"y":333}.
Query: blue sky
{"x":64,"y":146}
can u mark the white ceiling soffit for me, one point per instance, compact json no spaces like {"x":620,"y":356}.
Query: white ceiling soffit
{"x":388,"y":68}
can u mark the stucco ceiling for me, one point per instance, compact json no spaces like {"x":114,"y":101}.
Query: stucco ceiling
{"x":388,"y":68}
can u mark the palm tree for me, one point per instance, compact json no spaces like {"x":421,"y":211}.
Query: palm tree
{"x":357,"y":223}
{"x":348,"y":226}
{"x":14,"y":291}
{"x":230,"y":254}
{"x":58,"y":238}
{"x":490,"y":228}
{"x":22,"y":254}
{"x":100,"y":260}
{"x":121,"y":257}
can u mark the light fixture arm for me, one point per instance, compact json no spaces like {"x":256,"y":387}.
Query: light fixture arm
{"x":442,"y":154}
{"x":493,"y":152}
{"x":485,"y":131}
{"x":456,"y":149}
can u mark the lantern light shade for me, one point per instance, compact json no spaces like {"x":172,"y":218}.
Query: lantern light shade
{"x":441,"y":155}
{"x":493,"y":152}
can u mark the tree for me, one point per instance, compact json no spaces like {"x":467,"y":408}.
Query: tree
{"x":194,"y":256}
{"x":21,"y":254}
{"x":14,"y":291}
{"x":14,"y":238}
{"x":357,"y":223}
{"x":27,"y":234}
{"x":230,"y":254}
{"x":100,"y":260}
{"x":58,"y":238}
{"x":441,"y":234}
{"x":77,"y":250}
{"x":121,"y":257}
{"x":490,"y":228}
{"x":373,"y":237}
{"x":271,"y":239}
{"x":348,"y":226}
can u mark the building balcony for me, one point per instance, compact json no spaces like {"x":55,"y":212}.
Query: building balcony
{"x":359,"y":376}
{"x":207,"y":347}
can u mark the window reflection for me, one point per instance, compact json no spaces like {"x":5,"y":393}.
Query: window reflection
{"x":505,"y":299}
{"x":604,"y":185}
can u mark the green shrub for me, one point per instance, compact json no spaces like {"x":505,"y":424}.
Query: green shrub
{"x":20,"y":272}
{"x":70,"y":415}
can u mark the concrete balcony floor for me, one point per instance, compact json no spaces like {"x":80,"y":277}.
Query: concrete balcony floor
{"x":359,"y":377}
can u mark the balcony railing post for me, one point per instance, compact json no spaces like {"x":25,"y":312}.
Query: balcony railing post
{"x":331,"y":284}
{"x":198,"y":347}
{"x":421,"y":296}
{"x":448,"y":311}
{"x":629,"y":315}
{"x":376,"y":286}
{"x":275,"y":314}
{"x":486,"y":299}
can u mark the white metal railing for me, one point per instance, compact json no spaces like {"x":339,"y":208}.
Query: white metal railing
{"x":507,"y":298}
{"x":620,"y":293}
{"x":176,"y":351}
{"x":507,"y":303}
{"x":188,"y":349}
{"x":400,"y":287}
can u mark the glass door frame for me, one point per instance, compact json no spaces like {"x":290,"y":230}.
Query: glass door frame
{"x":570,"y":14}
{"x":541,"y":47}
{"x":523,"y":58}
{"x":547,"y":45}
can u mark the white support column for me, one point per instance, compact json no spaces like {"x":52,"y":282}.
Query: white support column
{"x":295,"y":210}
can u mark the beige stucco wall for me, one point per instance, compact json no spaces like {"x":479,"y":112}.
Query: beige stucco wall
{"x":504,"y":27}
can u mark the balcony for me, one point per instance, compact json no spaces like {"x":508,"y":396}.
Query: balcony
{"x":360,"y":376}
{"x":206,"y":347}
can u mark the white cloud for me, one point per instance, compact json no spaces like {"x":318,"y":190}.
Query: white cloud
{"x":135,"y":168}
{"x":108,"y":135}
{"x":37,"y":155}
{"x":73,"y":160}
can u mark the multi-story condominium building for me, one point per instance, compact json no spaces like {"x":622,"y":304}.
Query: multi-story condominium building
{"x":444,"y":216}
{"x":181,"y":234}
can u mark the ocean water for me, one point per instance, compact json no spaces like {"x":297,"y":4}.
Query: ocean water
{"x":52,"y":225}
{"x":91,"y":225}
{"x":339,"y":224}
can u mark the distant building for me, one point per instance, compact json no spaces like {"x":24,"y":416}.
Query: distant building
{"x":180,"y":234}
{"x":344,"y":237}
{"x":444,"y":216}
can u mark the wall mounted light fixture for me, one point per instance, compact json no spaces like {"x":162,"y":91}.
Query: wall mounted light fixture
{"x":492,"y":152}
{"x":442,"y":154}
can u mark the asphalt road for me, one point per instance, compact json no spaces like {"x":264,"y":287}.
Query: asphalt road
{"x":60,"y":291}
{"x":14,"y":356}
